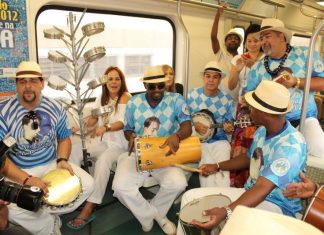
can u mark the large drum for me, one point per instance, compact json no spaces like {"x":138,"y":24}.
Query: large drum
{"x":149,"y":155}
{"x":63,"y":190}
{"x":194,"y":209}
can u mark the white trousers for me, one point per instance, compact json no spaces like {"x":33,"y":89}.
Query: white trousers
{"x":42,"y":221}
{"x":232,"y":193}
{"x":127,"y":182}
{"x":211,"y":153}
{"x":314,"y":137}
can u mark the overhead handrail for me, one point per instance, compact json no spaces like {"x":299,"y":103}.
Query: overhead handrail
{"x":187,"y":41}
{"x":308,"y":75}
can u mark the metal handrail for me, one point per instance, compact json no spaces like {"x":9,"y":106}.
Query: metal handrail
{"x":187,"y":41}
{"x":308,"y":75}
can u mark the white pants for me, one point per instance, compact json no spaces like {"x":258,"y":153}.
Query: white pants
{"x":232,"y":193}
{"x":127,"y":182}
{"x":314,"y":137}
{"x":42,"y":221}
{"x":211,"y":153}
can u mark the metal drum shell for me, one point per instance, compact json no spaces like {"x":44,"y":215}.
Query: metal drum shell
{"x":93,"y":84}
{"x":53,"y":33}
{"x":102,"y":110}
{"x":55,"y":57}
{"x":94,"y":54}
{"x":52,"y":84}
{"x":93,"y":28}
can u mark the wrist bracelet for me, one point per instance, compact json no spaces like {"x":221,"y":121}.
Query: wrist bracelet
{"x":297,"y":83}
{"x":228,"y":212}
{"x":61,"y":159}
{"x":27,"y":178}
{"x":219,"y":169}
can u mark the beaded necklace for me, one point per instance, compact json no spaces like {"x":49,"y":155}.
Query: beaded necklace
{"x":283,"y":59}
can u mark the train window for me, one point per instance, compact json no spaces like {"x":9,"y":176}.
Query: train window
{"x":131,"y":42}
{"x":300,"y":40}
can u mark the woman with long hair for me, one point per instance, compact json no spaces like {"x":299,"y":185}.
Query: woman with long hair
{"x":108,"y":129}
{"x":241,"y":64}
{"x":171,"y":85}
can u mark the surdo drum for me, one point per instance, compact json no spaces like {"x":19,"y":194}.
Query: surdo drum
{"x":149,"y":155}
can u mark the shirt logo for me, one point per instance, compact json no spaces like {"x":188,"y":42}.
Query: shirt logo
{"x":280,"y":167}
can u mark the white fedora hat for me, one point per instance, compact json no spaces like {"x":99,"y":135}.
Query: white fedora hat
{"x":275,"y":25}
{"x":270,"y":97}
{"x":28,"y":69}
{"x":214,"y":66}
{"x":154,"y":74}
{"x":234,"y":32}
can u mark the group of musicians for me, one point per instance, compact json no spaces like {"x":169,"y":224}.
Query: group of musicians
{"x":275,"y":158}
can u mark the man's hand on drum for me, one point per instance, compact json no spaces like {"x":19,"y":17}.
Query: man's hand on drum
{"x":208,"y":169}
{"x":65,"y":165}
{"x":173,"y":143}
{"x":216,"y":215}
{"x":130,"y":136}
{"x":228,"y":127}
{"x":38,"y":182}
{"x":100,"y":131}
{"x":201,"y":128}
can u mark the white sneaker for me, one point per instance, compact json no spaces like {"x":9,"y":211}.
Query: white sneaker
{"x":167,"y":226}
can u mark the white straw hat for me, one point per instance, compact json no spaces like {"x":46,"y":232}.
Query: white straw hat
{"x":270,"y":97}
{"x":28,"y":69}
{"x":275,"y":25}
{"x":214,"y":66}
{"x":154,"y":74}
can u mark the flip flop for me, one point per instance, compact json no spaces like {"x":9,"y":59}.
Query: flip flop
{"x":86,"y":221}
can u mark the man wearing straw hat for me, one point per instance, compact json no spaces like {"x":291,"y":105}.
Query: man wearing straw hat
{"x":49,"y":152}
{"x":275,"y":158}
{"x":175,"y":123}
{"x":283,"y":59}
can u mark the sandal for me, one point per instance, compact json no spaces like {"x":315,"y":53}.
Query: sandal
{"x":85,"y":222}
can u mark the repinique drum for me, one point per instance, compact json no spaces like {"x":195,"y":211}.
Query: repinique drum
{"x":94,"y":53}
{"x":93,"y":28}
{"x":149,"y":155}
{"x":64,"y":188}
{"x":194,"y":209}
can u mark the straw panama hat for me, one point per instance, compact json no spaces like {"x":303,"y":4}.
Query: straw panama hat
{"x":28,"y":69}
{"x":234,"y":32}
{"x":270,"y":97}
{"x":275,"y":25}
{"x":154,"y":74}
{"x":213,"y":65}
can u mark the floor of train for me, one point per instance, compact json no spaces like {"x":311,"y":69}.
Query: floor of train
{"x":112,"y":218}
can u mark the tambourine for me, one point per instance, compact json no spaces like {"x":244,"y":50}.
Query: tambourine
{"x":93,"y":84}
{"x":53,"y":33}
{"x":102,"y":110}
{"x":56,"y":83}
{"x":93,"y":28}
{"x":64,"y":188}
{"x":56,"y":57}
{"x":94,"y":54}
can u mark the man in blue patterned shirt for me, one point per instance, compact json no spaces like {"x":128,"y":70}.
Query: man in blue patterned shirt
{"x":39,"y":125}
{"x":281,"y":58}
{"x":210,"y":103}
{"x":170,"y":111}
{"x":275,"y":158}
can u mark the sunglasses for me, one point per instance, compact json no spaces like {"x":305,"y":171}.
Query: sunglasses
{"x":153,"y":86}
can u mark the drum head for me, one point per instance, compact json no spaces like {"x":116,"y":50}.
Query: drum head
{"x":206,"y":120}
{"x":53,"y":33}
{"x":55,"y":57}
{"x":56,"y":83}
{"x":193,"y":210}
{"x":102,"y":110}
{"x":93,"y":84}
{"x":64,"y":188}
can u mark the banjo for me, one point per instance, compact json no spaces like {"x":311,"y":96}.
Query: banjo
{"x":206,"y":118}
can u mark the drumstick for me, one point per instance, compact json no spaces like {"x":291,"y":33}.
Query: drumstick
{"x":186,"y":168}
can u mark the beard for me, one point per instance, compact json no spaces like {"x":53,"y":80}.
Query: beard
{"x":29,"y":96}
{"x":267,"y":50}
{"x":157,"y":96}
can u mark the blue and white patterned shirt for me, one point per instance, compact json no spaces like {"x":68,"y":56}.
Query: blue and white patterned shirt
{"x":221,"y":106}
{"x":35,"y":134}
{"x":171,"y":111}
{"x":297,"y":62}
{"x":278,"y":158}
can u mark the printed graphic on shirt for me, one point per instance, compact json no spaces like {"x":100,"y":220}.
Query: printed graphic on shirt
{"x":280,"y":166}
{"x":256,"y":162}
{"x":151,"y":126}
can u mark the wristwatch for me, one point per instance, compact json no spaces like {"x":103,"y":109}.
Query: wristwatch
{"x":228,"y":212}
{"x":108,"y":127}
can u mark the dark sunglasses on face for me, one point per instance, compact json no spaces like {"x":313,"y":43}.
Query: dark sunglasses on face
{"x":153,"y":86}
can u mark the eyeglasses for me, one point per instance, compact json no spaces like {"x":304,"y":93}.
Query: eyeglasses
{"x":153,"y":86}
